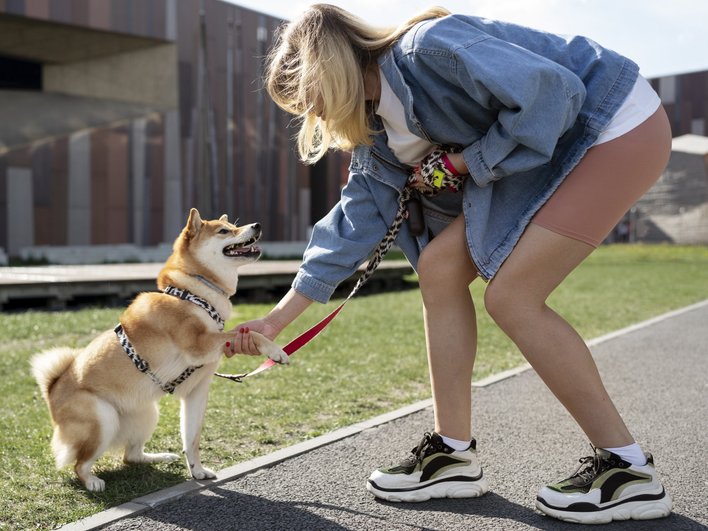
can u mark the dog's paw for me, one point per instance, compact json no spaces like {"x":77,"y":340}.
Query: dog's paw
{"x":270,"y":349}
{"x":199,"y":472}
{"x":95,"y":484}
{"x":143,"y":457}
{"x":165,"y":457}
{"x":278,"y":355}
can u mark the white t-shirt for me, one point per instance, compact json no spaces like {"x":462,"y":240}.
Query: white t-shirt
{"x":408,"y":148}
{"x":640,"y":104}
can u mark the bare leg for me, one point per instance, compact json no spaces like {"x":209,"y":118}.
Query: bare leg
{"x":604,"y":185}
{"x":446,"y":271}
{"x":516,"y":299}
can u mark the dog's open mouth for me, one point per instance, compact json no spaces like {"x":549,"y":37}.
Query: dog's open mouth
{"x":246,"y":249}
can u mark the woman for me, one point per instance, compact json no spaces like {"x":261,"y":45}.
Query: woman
{"x":525,"y":149}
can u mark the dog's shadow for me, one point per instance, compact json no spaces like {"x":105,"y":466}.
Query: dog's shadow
{"x":125,"y":482}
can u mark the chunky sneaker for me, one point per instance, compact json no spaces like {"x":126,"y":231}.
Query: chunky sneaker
{"x":604,"y":488}
{"x":433,"y":470}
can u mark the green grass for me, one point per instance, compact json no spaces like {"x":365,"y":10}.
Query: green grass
{"x":370,"y":360}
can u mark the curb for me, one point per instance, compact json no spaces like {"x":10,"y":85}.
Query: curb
{"x":160,"y":497}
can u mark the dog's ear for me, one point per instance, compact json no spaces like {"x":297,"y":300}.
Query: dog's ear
{"x":224,"y":218}
{"x":194,"y":223}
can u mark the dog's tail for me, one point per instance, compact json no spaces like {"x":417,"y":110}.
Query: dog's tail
{"x":48,"y":366}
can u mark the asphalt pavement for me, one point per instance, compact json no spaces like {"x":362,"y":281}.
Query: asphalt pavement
{"x":656,"y":372}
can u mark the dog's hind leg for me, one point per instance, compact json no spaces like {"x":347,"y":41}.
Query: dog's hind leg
{"x":193,"y":407}
{"x":98,"y":433}
{"x":137,"y":427}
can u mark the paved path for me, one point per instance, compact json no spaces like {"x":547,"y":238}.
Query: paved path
{"x":657,"y":374}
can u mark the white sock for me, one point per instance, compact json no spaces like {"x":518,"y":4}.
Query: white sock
{"x":631,"y":453}
{"x":456,"y":444}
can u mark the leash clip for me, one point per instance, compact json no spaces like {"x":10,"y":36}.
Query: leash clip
{"x":238,"y":378}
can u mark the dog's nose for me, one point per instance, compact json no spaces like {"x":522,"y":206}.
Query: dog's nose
{"x":256,"y":226}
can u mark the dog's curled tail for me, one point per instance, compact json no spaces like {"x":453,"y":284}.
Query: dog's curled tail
{"x":48,"y":366}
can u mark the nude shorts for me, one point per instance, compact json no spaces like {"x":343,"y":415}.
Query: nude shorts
{"x":610,"y":178}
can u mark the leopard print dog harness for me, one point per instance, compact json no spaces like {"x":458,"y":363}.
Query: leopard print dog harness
{"x":143,"y":366}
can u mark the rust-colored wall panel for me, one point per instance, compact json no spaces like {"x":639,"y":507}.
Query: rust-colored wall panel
{"x":59,"y":182}
{"x":37,"y":9}
{"x":99,"y":14}
{"x":99,"y":184}
{"x":156,"y":174}
{"x":117,"y":173}
{"x":3,"y":200}
{"x":41,"y":191}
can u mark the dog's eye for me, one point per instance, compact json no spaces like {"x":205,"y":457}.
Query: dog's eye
{"x":224,"y":231}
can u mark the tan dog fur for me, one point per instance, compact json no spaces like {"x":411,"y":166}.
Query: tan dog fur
{"x":98,"y":399}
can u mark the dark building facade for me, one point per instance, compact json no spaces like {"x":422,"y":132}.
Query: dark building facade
{"x":117,"y":116}
{"x":685,"y":98}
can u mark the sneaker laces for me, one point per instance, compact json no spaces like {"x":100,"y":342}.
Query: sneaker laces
{"x":429,"y":444}
{"x":593,"y":465}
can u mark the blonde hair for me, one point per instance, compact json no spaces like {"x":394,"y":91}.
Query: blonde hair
{"x":317,"y":66}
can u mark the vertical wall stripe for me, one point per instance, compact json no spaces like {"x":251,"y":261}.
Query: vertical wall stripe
{"x":174,"y":212}
{"x":20,"y":209}
{"x":3,"y":202}
{"x":304,"y":213}
{"x":79,"y":196}
{"x":171,"y":20}
{"x":138,"y":181}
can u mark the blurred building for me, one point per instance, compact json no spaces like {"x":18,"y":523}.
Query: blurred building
{"x":117,"y":116}
{"x":685,"y":98}
{"x":675,"y":209}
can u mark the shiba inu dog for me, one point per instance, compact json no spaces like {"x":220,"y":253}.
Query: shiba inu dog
{"x":106,"y":394}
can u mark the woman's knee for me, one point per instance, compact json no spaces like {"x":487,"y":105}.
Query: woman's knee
{"x":507,"y":303}
{"x":439,"y":267}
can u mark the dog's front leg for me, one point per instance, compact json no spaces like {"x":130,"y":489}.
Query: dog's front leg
{"x":193,"y":407}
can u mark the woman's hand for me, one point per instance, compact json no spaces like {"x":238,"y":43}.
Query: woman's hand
{"x":243,"y":342}
{"x":288,"y":308}
{"x":439,"y":170}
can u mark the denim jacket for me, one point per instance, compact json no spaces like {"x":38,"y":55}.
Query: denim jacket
{"x":523,"y":106}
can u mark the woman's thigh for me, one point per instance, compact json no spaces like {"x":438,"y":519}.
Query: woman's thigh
{"x":447,"y":257}
{"x":607,"y":182}
{"x":585,"y":208}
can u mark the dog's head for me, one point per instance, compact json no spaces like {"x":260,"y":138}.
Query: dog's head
{"x":215,"y":241}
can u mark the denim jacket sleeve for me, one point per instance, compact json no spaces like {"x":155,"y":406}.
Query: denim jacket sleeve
{"x":343,"y":239}
{"x":536,"y":101}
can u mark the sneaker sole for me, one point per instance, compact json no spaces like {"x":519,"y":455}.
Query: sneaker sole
{"x":629,"y":510}
{"x":443,"y":489}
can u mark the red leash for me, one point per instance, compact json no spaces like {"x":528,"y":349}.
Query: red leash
{"x":290,"y":349}
{"x":307,"y":336}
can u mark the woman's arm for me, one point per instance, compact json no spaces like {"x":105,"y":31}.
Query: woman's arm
{"x":289,"y":308}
